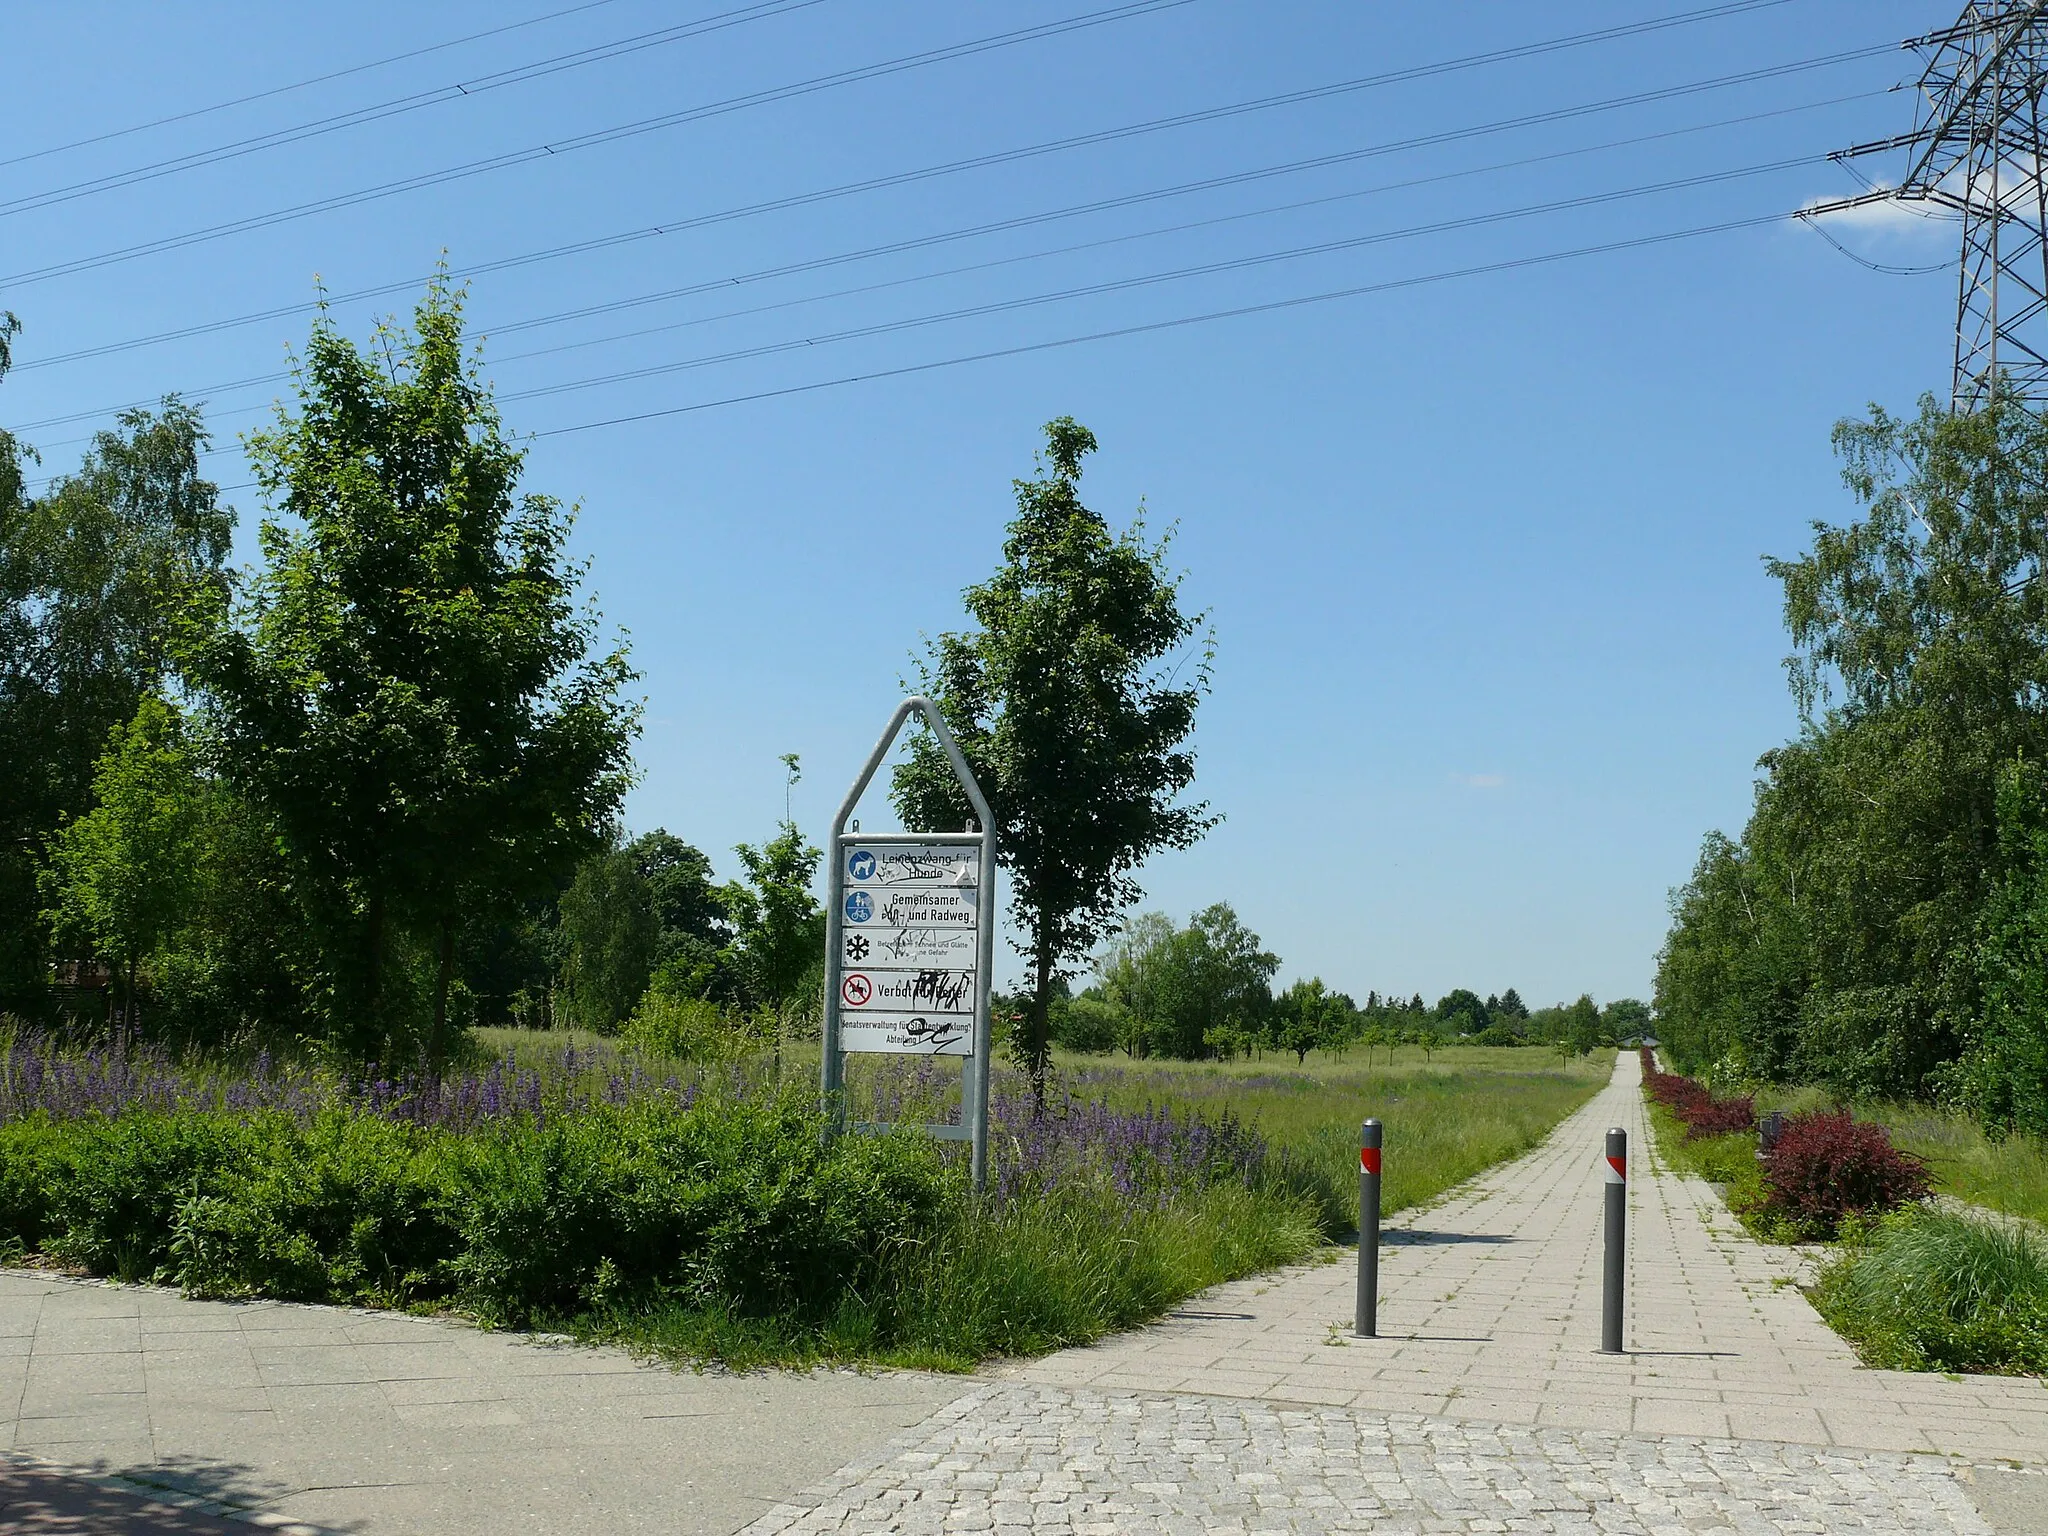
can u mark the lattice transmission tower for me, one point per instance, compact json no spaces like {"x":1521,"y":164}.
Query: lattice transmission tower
{"x":1977,"y":151}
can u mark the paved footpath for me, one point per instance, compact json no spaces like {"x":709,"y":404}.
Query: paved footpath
{"x":1485,"y":1405}
{"x":1483,"y":1408}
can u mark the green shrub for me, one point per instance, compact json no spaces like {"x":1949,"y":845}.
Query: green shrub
{"x":1089,"y":1024}
{"x":740,"y":1205}
{"x":704,"y":1213}
{"x":736,"y":1204}
{"x":685,"y":1028}
{"x":114,"y":1187}
{"x":352,"y":1208}
{"x":1935,"y":1290}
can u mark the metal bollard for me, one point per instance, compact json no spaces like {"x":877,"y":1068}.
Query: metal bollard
{"x":1366,"y":1322}
{"x":1617,"y":1241}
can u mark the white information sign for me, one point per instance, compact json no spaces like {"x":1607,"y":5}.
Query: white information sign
{"x":955,"y":907}
{"x":910,"y":921}
{"x":908,"y":1034}
{"x":908,"y":949}
{"x":909,"y":940}
{"x":911,"y":864}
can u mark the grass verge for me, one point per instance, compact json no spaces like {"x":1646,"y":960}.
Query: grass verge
{"x":699,"y":1214}
{"x":1924,"y":1287}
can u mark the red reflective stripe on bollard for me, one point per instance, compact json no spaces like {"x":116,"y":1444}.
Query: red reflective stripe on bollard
{"x":1369,"y":1159}
{"x":1617,"y":1170}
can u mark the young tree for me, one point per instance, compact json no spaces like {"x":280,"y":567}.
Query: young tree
{"x":1308,"y":1017}
{"x":1581,"y":1031}
{"x":409,"y":689}
{"x":126,"y":873}
{"x":1069,"y":703}
{"x":778,"y":926}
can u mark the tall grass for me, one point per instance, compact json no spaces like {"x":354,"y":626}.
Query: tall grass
{"x":1445,"y":1119}
{"x":1928,"y":1289}
{"x":2009,"y":1175}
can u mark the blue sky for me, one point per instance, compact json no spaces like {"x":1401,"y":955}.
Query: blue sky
{"x":1482,"y":553}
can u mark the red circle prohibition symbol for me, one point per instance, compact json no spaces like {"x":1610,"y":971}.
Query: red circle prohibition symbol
{"x":856,"y":990}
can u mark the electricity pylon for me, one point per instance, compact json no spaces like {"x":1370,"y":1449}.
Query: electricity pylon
{"x":1977,"y":151}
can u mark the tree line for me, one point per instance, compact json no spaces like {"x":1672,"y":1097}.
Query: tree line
{"x":1880,"y":926}
{"x":370,"y":791}
{"x":1204,"y":991}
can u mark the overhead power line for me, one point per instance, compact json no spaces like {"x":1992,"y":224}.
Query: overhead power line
{"x":961,"y":166}
{"x":1179,"y":274}
{"x":1143,"y":328}
{"x":921,"y":242}
{"x":601,"y":136}
{"x":1154,"y":327}
{"x":297,"y":85}
{"x":1980,"y":150}
{"x":1154,"y":279}
{"x":462,"y":90}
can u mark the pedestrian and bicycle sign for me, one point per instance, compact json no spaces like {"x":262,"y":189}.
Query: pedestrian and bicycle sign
{"x":910,"y":926}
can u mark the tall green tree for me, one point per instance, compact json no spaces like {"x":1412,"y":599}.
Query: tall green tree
{"x":1196,"y":991}
{"x":1837,"y":939}
{"x":1461,"y":1012}
{"x":1309,"y":1017}
{"x":94,"y":575}
{"x":409,"y":688}
{"x":2002,"y":1074}
{"x":686,"y":899}
{"x":610,"y":933}
{"x":1069,"y":700}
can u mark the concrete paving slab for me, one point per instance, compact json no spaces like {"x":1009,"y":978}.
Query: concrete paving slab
{"x":342,"y":1419}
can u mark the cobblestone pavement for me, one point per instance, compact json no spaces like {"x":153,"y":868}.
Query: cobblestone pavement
{"x":1490,"y":1310}
{"x":1013,"y":1459}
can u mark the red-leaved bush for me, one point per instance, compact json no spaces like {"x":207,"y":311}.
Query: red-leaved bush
{"x":1694,"y":1105}
{"x":1828,"y":1164}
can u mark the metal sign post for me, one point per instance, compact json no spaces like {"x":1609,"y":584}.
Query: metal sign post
{"x":909,"y":943}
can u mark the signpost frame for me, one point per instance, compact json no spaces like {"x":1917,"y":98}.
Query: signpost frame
{"x":979,"y":835}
